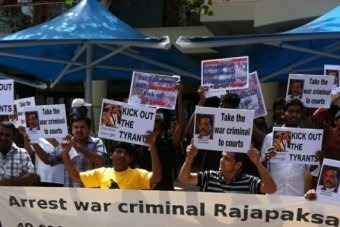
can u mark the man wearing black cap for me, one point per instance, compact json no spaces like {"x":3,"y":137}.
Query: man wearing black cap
{"x":121,"y":175}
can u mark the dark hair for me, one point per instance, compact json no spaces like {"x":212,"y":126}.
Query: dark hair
{"x":279,"y":102}
{"x":7,"y":124}
{"x":231,"y":98}
{"x":78,"y":117}
{"x":123,"y":145}
{"x":161,"y":123}
{"x":293,"y":102}
{"x":248,"y":167}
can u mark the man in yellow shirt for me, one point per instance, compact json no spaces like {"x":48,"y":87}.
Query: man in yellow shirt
{"x":121,"y":175}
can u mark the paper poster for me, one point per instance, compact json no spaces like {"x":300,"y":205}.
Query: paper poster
{"x":18,"y":117}
{"x":225,"y":74}
{"x":7,"y":97}
{"x":334,"y":71}
{"x":223,"y":129}
{"x":46,"y":121}
{"x":124,"y":122}
{"x":296,"y":145}
{"x":251,"y":98}
{"x":328,"y":183}
{"x":153,"y":90}
{"x":314,"y":91}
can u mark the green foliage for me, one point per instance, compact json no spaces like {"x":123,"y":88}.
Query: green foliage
{"x":198,"y":7}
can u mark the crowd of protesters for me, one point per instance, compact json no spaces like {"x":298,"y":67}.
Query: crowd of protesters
{"x":169,"y":155}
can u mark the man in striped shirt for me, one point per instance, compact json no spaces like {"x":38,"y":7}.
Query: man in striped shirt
{"x":229,"y":177}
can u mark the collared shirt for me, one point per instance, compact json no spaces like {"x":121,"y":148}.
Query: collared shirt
{"x":289,"y":178}
{"x":16,"y":163}
{"x":80,"y":161}
{"x":213,"y":181}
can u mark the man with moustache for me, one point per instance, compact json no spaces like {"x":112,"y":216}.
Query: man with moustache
{"x":16,"y":165}
{"x":331,"y":178}
{"x":87,"y":152}
{"x":205,"y":128}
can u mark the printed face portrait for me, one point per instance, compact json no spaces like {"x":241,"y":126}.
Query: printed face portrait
{"x":295,"y":88}
{"x":204,"y":126}
{"x":330,"y":178}
{"x":32,"y":120}
{"x":335,"y":73}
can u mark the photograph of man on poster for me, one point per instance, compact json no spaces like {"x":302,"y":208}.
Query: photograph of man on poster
{"x":295,"y":89}
{"x":330,"y":178}
{"x":204,"y":126}
{"x":32,"y":121}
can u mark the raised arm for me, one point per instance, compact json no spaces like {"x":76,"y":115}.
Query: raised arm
{"x":155,"y":162}
{"x":201,"y":102}
{"x":185,"y":175}
{"x":268,"y":185}
{"x":70,"y":168}
{"x":180,"y":128}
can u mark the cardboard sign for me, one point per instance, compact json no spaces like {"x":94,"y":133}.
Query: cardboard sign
{"x":46,"y":121}
{"x":123,"y":122}
{"x":329,"y":180}
{"x":153,"y":90}
{"x":296,"y":145}
{"x":223,"y":129}
{"x":334,"y":71}
{"x":225,"y":74}
{"x":18,"y":117}
{"x":313,"y":91}
{"x":7,"y":97}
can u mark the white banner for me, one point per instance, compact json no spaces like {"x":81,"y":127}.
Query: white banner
{"x":223,"y":129}
{"x":7,"y":97}
{"x":69,"y":207}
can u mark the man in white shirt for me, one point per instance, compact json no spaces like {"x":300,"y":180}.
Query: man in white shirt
{"x":330,"y":180}
{"x":289,"y":177}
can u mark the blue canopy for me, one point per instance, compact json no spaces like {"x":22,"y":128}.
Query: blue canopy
{"x":303,"y":50}
{"x":87,"y":42}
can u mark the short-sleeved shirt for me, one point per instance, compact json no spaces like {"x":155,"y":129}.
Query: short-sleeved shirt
{"x":81,"y":162}
{"x":16,"y":163}
{"x":213,"y":181}
{"x":128,"y":179}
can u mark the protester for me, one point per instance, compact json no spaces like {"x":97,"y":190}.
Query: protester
{"x":289,"y":177}
{"x":229,"y":177}
{"x":166,"y":145}
{"x":120,"y":175}
{"x":278,"y":113}
{"x":79,"y":106}
{"x":87,"y":152}
{"x":15,"y":163}
{"x":49,"y":176}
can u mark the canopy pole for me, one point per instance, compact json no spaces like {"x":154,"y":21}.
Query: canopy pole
{"x":88,"y":82}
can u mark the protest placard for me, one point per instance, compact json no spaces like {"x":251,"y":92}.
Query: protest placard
{"x":153,"y":90}
{"x":7,"y":97}
{"x":131,"y":122}
{"x":329,"y":180}
{"x":225,"y":74}
{"x":223,"y":129}
{"x":334,"y":71}
{"x":46,"y":121}
{"x":18,"y":117}
{"x":296,"y":145}
{"x":314,"y":91}
{"x":251,"y":98}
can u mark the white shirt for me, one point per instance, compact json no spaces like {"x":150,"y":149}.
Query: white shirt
{"x":289,"y":178}
{"x":47,"y":173}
